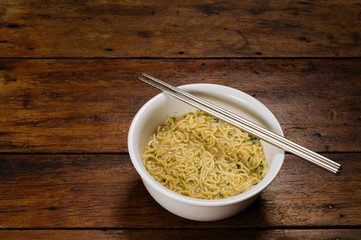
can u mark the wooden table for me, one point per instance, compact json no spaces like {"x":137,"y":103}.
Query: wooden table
{"x":68,"y":93}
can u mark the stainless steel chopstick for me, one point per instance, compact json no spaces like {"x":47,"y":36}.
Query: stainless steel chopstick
{"x":244,"y":124}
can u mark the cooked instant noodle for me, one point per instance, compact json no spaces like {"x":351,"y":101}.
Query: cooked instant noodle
{"x":201,"y":156}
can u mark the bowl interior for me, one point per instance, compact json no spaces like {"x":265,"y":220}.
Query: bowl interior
{"x":162,"y":106}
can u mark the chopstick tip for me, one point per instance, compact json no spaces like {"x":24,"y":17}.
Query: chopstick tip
{"x":338,"y":172}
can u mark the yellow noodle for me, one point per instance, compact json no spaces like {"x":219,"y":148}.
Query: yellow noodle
{"x":200,"y":156}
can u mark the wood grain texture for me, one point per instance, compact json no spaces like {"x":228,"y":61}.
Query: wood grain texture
{"x":55,"y":105}
{"x":104,"y":191}
{"x":68,"y":93}
{"x":163,"y":234}
{"x":185,"y":29}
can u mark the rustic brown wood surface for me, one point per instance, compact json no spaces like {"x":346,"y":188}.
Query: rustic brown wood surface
{"x":87,"y":105}
{"x":176,"y":234}
{"x":104,"y":191}
{"x":68,"y":93}
{"x":180,"y":28}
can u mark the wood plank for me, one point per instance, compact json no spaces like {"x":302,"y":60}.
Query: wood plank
{"x":183,"y":29}
{"x":69,"y":105}
{"x":271,"y":234}
{"x":104,"y":191}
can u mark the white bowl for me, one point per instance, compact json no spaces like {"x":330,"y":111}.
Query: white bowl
{"x":162,"y":106}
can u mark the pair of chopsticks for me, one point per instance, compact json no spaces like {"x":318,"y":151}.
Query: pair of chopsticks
{"x":244,"y":124}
